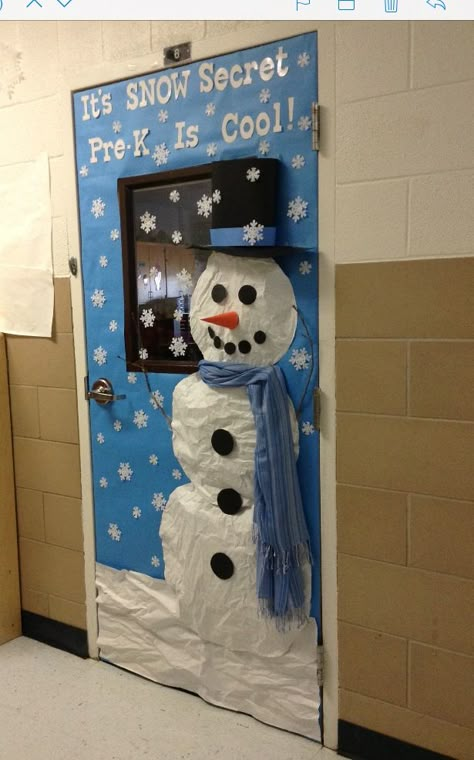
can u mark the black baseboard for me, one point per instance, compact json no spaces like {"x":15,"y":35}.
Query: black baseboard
{"x":56,"y":634}
{"x":362,"y":744}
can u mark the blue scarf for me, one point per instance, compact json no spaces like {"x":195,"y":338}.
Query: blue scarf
{"x":279,"y":526}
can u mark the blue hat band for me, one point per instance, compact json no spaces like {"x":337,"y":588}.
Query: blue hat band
{"x":234,"y":236}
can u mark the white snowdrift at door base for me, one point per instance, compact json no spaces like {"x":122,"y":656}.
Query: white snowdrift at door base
{"x":141,"y":630}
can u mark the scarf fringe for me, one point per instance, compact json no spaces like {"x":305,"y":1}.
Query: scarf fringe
{"x":281,"y":561}
{"x":295,"y":617}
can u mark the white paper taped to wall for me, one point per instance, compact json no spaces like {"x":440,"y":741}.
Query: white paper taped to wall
{"x":26,"y":273}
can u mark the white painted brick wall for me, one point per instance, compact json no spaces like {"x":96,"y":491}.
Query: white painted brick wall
{"x":404,"y":140}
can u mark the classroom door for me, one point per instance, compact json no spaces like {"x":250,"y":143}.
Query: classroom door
{"x":165,"y":610}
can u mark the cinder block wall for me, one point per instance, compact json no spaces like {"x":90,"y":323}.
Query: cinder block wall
{"x":46,"y":453}
{"x":405,"y":379}
{"x":10,"y":621}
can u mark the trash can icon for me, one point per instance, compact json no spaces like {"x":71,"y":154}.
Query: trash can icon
{"x":391,"y":6}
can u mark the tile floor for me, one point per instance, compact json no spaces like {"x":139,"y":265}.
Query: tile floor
{"x":54,"y":706}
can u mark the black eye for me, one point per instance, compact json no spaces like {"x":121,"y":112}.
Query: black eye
{"x":218,"y":293}
{"x":247,"y":294}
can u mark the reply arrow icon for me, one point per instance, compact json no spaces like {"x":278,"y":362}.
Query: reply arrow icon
{"x":436,"y":4}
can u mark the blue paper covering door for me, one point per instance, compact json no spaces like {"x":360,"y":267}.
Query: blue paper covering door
{"x":252,"y":103}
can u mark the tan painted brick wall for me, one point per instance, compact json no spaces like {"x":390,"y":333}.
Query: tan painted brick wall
{"x":46,"y":454}
{"x":405,"y":379}
{"x":405,"y":452}
{"x":10,"y":623}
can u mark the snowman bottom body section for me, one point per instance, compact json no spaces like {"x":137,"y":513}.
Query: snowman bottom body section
{"x":206,"y":528}
{"x":244,"y":662}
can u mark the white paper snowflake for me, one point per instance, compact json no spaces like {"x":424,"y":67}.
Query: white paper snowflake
{"x":159,"y":502}
{"x":98,"y":299}
{"x":147,"y":317}
{"x":155,"y":561}
{"x":307,"y":428}
{"x":264,"y":96}
{"x":298,"y":161}
{"x":103,"y":261}
{"x":103,"y":482}
{"x":157,"y":400}
{"x":204,"y":206}
{"x":140,"y":419}
{"x":117,"y":426}
{"x":117,"y":126}
{"x":84,"y":171}
{"x":177,"y":475}
{"x":154,"y":271}
{"x":216,"y":196}
{"x":125,"y":472}
{"x":211,"y":149}
{"x":132,"y":378}
{"x":114,"y":234}
{"x":136,"y":512}
{"x":303,"y":59}
{"x":305,"y":267}
{"x":162,"y":115}
{"x":114,"y":532}
{"x":161,"y":154}
{"x":297,"y":209}
{"x":264,"y":147}
{"x":185,"y":280}
{"x":178,"y":315}
{"x":148,"y":222}
{"x":113,"y":325}
{"x":153,"y":459}
{"x":304,"y":123}
{"x":178,"y":346}
{"x":174,"y":196}
{"x":100,"y":438}
{"x":300,"y":358}
{"x":210,"y":109}
{"x":98,"y":207}
{"x":100,"y":356}
{"x":143,"y":353}
{"x":253,"y":174}
{"x":176,"y":237}
{"x":253,"y":232}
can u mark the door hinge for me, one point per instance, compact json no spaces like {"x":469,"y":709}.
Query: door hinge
{"x":315,"y":126}
{"x":320,"y":665}
{"x":317,"y":408}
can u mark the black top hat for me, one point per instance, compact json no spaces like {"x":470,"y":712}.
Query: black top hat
{"x":244,"y":195}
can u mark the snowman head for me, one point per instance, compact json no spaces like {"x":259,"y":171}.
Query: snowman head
{"x":243,"y":310}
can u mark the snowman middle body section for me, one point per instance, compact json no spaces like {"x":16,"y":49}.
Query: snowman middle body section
{"x":243,"y":311}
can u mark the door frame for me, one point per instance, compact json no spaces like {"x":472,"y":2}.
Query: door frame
{"x":261,"y":33}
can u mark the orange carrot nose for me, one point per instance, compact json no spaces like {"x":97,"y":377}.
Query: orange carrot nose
{"x":228,"y":319}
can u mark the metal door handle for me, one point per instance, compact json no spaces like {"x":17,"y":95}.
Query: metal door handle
{"x":102,"y":392}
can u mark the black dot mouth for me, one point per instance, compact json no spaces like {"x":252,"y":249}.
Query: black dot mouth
{"x":244,"y":346}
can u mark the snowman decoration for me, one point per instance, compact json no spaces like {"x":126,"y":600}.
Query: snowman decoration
{"x":243,"y":312}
